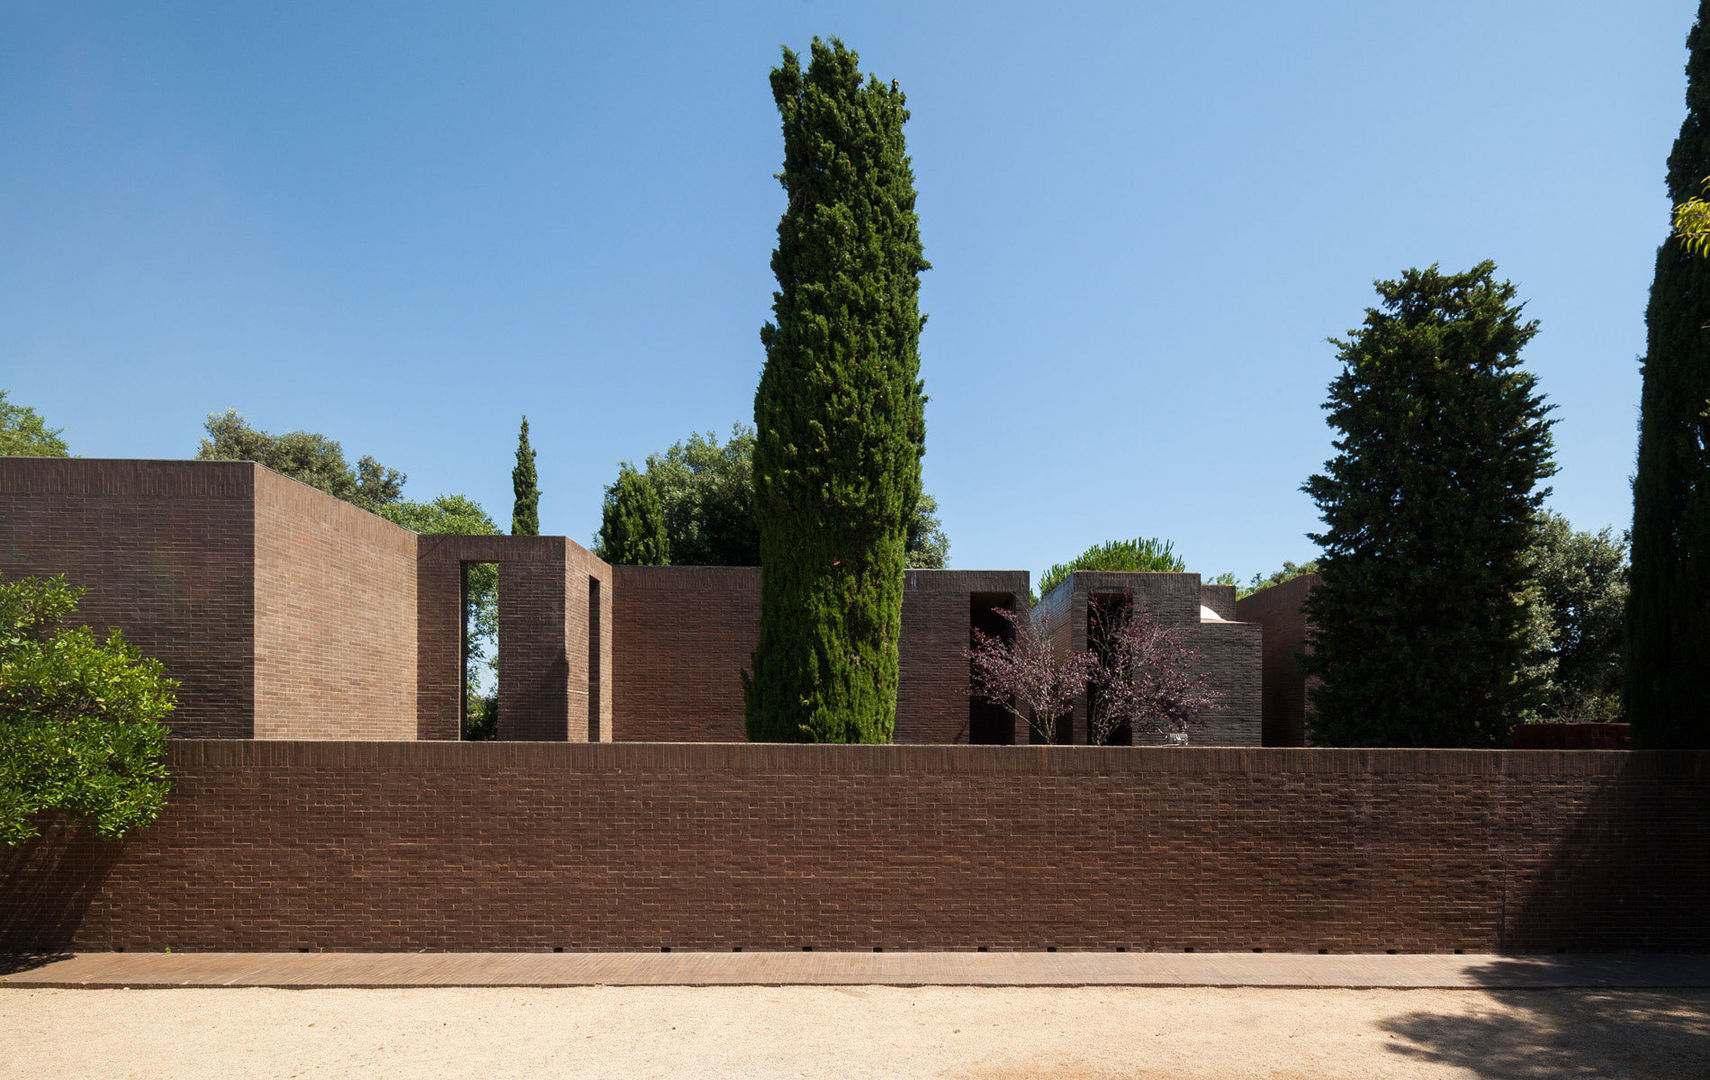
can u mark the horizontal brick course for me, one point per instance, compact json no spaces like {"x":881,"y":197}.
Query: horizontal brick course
{"x":537,"y":846}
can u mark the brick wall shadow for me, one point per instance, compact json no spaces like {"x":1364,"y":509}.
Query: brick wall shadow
{"x":1531,"y":1034}
{"x":1614,"y":865}
{"x":46,"y":887}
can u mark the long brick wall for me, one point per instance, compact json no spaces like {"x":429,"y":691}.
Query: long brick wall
{"x":165,"y":553}
{"x":354,"y":846}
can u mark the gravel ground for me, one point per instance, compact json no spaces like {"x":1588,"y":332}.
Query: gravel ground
{"x":858,"y":1031}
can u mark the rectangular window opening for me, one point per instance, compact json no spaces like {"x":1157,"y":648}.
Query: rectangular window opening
{"x":479,"y":716}
{"x":990,"y":723}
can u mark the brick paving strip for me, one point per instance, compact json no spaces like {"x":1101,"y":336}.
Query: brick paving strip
{"x":1281,"y":970}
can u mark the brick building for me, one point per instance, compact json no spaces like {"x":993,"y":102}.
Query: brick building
{"x":288,"y":614}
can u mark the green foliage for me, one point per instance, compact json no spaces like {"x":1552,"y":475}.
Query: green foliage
{"x":1666,"y":693}
{"x":81,"y":718}
{"x":525,"y":485}
{"x":706,"y":492}
{"x":1422,"y":624}
{"x":305,"y":456}
{"x":461,"y":515}
{"x":23,"y":433}
{"x":1289,"y":572}
{"x":1143,"y":554}
{"x":632,"y":523}
{"x":840,"y":410}
{"x":1580,"y":590}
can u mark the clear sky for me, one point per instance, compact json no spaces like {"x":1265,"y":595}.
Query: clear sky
{"x":404,"y":224}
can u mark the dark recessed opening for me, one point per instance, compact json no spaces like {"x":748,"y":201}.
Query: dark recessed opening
{"x":878,"y":948}
{"x":1321,"y":952}
{"x":1256,"y":949}
{"x":1188,"y":949}
{"x":664,"y":948}
{"x":1391,"y":952}
{"x":991,"y":723}
{"x":558,"y":948}
{"x":479,"y":715}
{"x":982,"y":948}
{"x":1050,"y":948}
{"x":1106,"y":613}
{"x":1459,"y":951}
{"x":1122,"y":948}
{"x":736,"y":948}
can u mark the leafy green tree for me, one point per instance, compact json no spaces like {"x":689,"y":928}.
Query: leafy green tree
{"x":840,"y":410}
{"x":1580,"y":589}
{"x":525,"y":512}
{"x":1143,"y":554}
{"x":1289,"y":572}
{"x":1666,"y":695}
{"x":1421,"y":625}
{"x":706,"y":491}
{"x":81,"y":718}
{"x":302,"y":455}
{"x":463,"y":516}
{"x":23,"y":433}
{"x":632,"y":523}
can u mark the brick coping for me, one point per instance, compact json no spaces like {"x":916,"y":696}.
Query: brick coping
{"x":326,"y":970}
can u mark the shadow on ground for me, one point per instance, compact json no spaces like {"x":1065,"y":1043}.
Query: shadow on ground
{"x":12,"y":964}
{"x":1538,"y":1034}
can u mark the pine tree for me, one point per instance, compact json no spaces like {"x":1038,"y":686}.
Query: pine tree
{"x":632,"y":526}
{"x":1423,"y":620}
{"x":1666,"y":694}
{"x":525,"y":511}
{"x":840,"y":409}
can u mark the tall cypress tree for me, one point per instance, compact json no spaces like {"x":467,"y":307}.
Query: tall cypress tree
{"x":1667,"y":691}
{"x":525,"y":511}
{"x":1421,"y":627}
{"x":632,"y":523}
{"x":840,"y":409}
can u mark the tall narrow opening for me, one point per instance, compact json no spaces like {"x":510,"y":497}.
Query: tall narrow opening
{"x":1105,"y":613}
{"x":594,"y":630}
{"x":479,"y":715}
{"x":987,"y":722}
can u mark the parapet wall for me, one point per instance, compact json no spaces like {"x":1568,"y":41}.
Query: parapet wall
{"x":391,"y":846}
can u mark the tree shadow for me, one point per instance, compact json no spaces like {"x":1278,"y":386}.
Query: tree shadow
{"x":1534,"y":1034}
{"x":12,"y":964}
{"x":47,"y":886}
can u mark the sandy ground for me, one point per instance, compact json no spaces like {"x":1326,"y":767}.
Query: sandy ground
{"x":860,"y":1031}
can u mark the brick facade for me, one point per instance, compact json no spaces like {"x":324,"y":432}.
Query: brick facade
{"x":335,"y":618}
{"x":1228,"y":650}
{"x":685,"y":634}
{"x":1283,"y":702}
{"x":165,"y":553}
{"x":317,"y":845}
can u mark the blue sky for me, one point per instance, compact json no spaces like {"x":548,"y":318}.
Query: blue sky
{"x":405,"y":224}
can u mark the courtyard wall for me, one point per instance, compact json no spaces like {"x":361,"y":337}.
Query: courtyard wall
{"x":387,"y":846}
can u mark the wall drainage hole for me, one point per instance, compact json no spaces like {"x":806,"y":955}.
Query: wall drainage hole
{"x":807,"y":948}
{"x":1050,"y":948}
{"x":982,"y":948}
{"x":1188,"y":949}
{"x":1258,"y":950}
{"x":736,"y":948}
{"x":878,"y":948}
{"x":1122,"y":948}
{"x":558,"y":948}
{"x":664,"y":948}
{"x":1321,"y":952}
{"x":1391,"y":952}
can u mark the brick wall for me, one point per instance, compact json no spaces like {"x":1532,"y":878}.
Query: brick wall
{"x":686,"y":633}
{"x":682,"y":637}
{"x":165,"y":551}
{"x":282,"y":846}
{"x":1230,"y":652}
{"x":554,"y":653}
{"x":335,"y":618}
{"x":1283,"y":698}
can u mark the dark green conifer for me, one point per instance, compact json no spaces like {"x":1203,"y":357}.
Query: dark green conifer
{"x":632,"y":524}
{"x":525,"y":511}
{"x":1422,"y":623}
{"x":1667,"y":689}
{"x":840,"y":410}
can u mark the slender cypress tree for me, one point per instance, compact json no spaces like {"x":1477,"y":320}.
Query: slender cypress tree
{"x":840,"y":409}
{"x":1422,"y":623}
{"x":1667,"y":691}
{"x":525,"y":511}
{"x":632,"y":524}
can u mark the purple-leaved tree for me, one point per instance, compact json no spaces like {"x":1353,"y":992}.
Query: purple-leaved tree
{"x":1139,"y":677}
{"x":1022,"y":673}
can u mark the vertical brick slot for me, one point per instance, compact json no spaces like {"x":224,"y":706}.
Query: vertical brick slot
{"x":987,"y":722}
{"x":594,"y":673}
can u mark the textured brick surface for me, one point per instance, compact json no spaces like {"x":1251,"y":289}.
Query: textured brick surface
{"x":386,"y":846}
{"x":553,"y":656}
{"x":1283,"y":699}
{"x":335,"y":618}
{"x":686,"y":633}
{"x":1229,"y":652}
{"x":165,"y":551}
